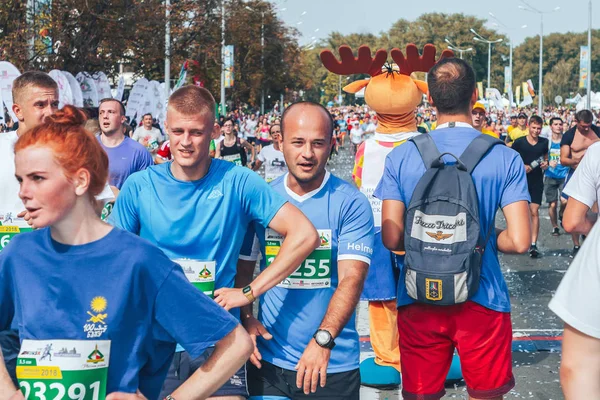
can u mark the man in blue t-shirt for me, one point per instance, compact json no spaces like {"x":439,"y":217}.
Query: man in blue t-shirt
{"x":308,"y":343}
{"x":125,"y":156}
{"x":555,"y":175}
{"x":480,"y":328}
{"x":197,"y":210}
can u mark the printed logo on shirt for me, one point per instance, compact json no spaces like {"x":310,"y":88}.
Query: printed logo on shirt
{"x":215,"y":194}
{"x":96,"y":324}
{"x":433,"y":289}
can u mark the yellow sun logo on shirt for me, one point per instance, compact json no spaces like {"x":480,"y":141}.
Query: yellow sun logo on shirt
{"x":98,"y":304}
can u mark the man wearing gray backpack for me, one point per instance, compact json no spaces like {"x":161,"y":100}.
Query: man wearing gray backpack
{"x":440,"y":197}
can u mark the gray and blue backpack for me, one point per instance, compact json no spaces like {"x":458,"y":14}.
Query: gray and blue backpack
{"x":443,"y":237}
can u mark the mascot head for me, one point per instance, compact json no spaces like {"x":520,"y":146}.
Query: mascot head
{"x":391,"y":92}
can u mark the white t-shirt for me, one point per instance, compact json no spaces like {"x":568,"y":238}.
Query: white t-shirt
{"x":356,"y":135}
{"x":584,"y":185}
{"x":273,"y":161}
{"x":577,"y":299}
{"x":250,"y":127}
{"x":150,"y":139}
{"x":9,"y":187}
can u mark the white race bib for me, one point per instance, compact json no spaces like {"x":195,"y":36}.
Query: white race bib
{"x":63,"y":369}
{"x":200,"y":273}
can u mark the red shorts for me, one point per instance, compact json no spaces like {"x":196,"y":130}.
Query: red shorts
{"x":428,"y":336}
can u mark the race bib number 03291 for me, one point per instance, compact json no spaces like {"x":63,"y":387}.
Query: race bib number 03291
{"x":314,"y":272}
{"x":63,"y":369}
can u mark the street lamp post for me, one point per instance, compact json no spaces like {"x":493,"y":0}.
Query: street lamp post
{"x":479,"y":38}
{"x":167,"y":49}
{"x":262,"y":61}
{"x":530,"y":8}
{"x":457,"y":49}
{"x":510,"y":58}
{"x":262,"y":57}
{"x":589,"y":75}
{"x":222,"y":57}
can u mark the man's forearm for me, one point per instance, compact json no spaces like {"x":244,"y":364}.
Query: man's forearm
{"x":343,"y":303}
{"x":243,"y":277}
{"x":296,"y":247}
{"x":229,"y":355}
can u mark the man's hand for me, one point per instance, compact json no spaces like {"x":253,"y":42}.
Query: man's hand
{"x":313,"y":364}
{"x":255,"y":329}
{"x":544,"y":165}
{"x":229,"y":298}
{"x":528,"y":169}
{"x":25,"y":215}
{"x":126,"y":396}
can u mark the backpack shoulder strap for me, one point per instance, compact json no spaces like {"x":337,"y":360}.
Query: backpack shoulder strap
{"x":427,"y":148}
{"x":477,"y":149}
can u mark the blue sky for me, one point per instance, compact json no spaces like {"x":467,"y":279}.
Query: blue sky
{"x":317,"y":18}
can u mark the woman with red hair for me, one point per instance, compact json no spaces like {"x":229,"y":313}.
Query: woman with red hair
{"x":98,"y":308}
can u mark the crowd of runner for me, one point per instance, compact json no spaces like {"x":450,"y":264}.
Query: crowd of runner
{"x":135,"y":275}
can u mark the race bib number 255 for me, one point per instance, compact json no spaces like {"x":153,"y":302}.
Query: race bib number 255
{"x":314,"y":272}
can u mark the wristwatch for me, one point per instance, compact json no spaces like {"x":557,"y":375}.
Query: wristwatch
{"x":324,"y":339}
{"x":169,"y":397}
{"x":247,"y":290}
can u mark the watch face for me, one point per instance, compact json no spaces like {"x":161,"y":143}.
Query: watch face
{"x":246,"y":289}
{"x":322,"y":337}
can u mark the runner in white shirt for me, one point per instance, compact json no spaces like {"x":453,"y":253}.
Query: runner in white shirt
{"x":356,"y":136}
{"x":147,"y":135}
{"x":583,"y":190}
{"x":272,"y":157}
{"x":577,"y":303}
{"x":250,"y":128}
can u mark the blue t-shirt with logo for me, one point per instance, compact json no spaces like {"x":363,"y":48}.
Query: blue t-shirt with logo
{"x":499,"y":179}
{"x":145,"y":302}
{"x":125,"y":159}
{"x":203,"y":220}
{"x":292,"y":311}
{"x":559,"y":171}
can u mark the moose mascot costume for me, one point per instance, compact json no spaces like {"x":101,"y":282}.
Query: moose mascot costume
{"x":394,"y":96}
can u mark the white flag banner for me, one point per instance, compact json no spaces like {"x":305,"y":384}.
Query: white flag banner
{"x":494,"y":98}
{"x":8,"y":73}
{"x":136,"y":100}
{"x":120,"y":89}
{"x":65,"y":96}
{"x":88,"y":89}
{"x":75,"y":89}
{"x":102,"y":85}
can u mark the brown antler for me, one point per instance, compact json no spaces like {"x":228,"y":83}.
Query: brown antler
{"x":349,"y":65}
{"x":414,"y":62}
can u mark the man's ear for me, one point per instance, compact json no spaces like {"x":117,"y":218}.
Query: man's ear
{"x":430,"y":100}
{"x":18,"y":112}
{"x":216,"y":131}
{"x":474,"y":97}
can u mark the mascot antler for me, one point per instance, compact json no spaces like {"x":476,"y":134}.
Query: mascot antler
{"x":413,"y":62}
{"x":350,"y":65}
